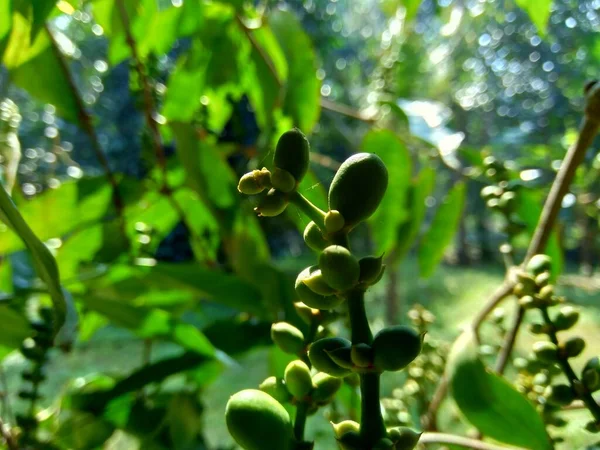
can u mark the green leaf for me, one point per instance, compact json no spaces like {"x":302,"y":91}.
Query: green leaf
{"x":5,"y":19}
{"x":302,"y":98}
{"x":538,"y":11}
{"x":442,"y":230}
{"x":65,"y":315}
{"x":417,"y":194}
{"x":411,"y":6}
{"x":490,"y":403}
{"x":41,"y":11}
{"x":185,"y":421}
{"x":15,"y":327}
{"x":392,"y":211}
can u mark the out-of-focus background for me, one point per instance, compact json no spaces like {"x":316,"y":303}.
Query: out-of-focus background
{"x":125,"y":125}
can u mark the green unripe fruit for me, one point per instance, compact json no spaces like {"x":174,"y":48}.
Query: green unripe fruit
{"x":257,"y":421}
{"x":351,"y":441}
{"x":592,"y":427}
{"x":317,"y":353}
{"x":314,"y":238}
{"x":342,"y":357}
{"x":275,"y":387}
{"x":538,"y":264}
{"x":287,"y":337}
{"x":346,"y":426}
{"x":538,"y":328}
{"x":297,"y":379}
{"x":311,"y":298}
{"x":507,"y":201}
{"x":573,"y":347}
{"x":560,"y":395}
{"x":358,"y":188}
{"x":395,"y":347}
{"x":543,"y":279}
{"x":339,"y":267}
{"x":591,"y":379}
{"x":325,"y":387}
{"x":362,"y":355}
{"x":282,"y":180}
{"x":404,"y":438}
{"x":546,"y":293}
{"x":306,"y":313}
{"x":592,"y":364}
{"x":489,"y":192}
{"x":526,"y":285}
{"x":384,"y":444}
{"x":272,"y":204}
{"x":334,"y":221}
{"x":316,"y":283}
{"x":566,"y":318}
{"x":255,"y":182}
{"x":292,"y":153}
{"x":545,"y":351}
{"x":371,"y":268}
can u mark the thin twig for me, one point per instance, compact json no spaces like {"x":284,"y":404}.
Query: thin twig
{"x":450,"y":439}
{"x":10,"y":440}
{"x":509,"y":340}
{"x":495,"y":299}
{"x":345,"y":110}
{"x":85,"y":122}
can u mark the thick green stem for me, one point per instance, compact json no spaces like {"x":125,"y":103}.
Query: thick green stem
{"x":313,"y":212}
{"x":300,"y":421}
{"x":359,"y":324}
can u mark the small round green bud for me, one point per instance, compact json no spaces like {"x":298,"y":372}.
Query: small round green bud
{"x":566,"y":318}
{"x":591,"y":379}
{"x":339,"y":267}
{"x":592,"y":427}
{"x":573,"y":347}
{"x":560,"y":395}
{"x":312,"y":299}
{"x":325,"y":387}
{"x":314,"y":238}
{"x":254,"y":182}
{"x":362,"y":355}
{"x":593,"y":363}
{"x":543,"y":279}
{"x":507,"y":201}
{"x":490,"y":192}
{"x":316,"y":283}
{"x":396,"y":347}
{"x":287,"y":337}
{"x":404,"y":438}
{"x":292,"y":153}
{"x":282,"y":180}
{"x":371,"y":268}
{"x":545,"y":351}
{"x":546,"y":293}
{"x":334,"y":221}
{"x":297,"y":379}
{"x":358,"y":188}
{"x":272,"y":204}
{"x":538,"y":264}
{"x":346,"y":426}
{"x":342,"y":357}
{"x":528,"y":302}
{"x":321,"y":361}
{"x":275,"y":387}
{"x":257,"y":421}
{"x":538,"y":328}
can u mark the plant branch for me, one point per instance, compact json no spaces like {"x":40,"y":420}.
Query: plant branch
{"x":509,"y":341}
{"x":307,"y":207}
{"x":85,"y":121}
{"x":11,"y":443}
{"x":495,"y":299}
{"x":450,"y":439}
{"x":345,"y":110}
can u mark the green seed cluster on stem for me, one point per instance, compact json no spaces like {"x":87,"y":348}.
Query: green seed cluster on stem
{"x":338,"y":278}
{"x":535,"y":291}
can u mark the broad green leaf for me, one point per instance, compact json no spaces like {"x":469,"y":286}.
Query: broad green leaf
{"x":79,"y":247}
{"x":302,"y":97}
{"x":238,"y":335}
{"x":417,"y":194}
{"x":83,"y":430}
{"x":529,"y":210}
{"x":65,"y":315}
{"x":490,"y":403}
{"x":15,"y":327}
{"x":442,"y":230}
{"x":411,"y":6}
{"x":41,"y":11}
{"x":392,"y":211}
{"x":538,"y":11}
{"x":5,"y":19}
{"x":184,"y":415}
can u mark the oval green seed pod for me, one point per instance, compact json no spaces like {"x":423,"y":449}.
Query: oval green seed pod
{"x":316,"y":283}
{"x":287,"y":337}
{"x":306,"y":313}
{"x":591,"y":379}
{"x":346,"y":426}
{"x":255,"y":182}
{"x":314,"y":238}
{"x":272,"y":204}
{"x":560,"y":395}
{"x":297,"y":379}
{"x":371,"y":268}
{"x":384,"y":444}
{"x":351,"y":441}
{"x":334,"y":221}
{"x":317,"y":353}
{"x":593,"y":363}
{"x":292,"y":153}
{"x":362,"y":355}
{"x":529,"y":302}
{"x":566,"y":318}
{"x":546,"y":293}
{"x":276,"y":388}
{"x":538,"y":264}
{"x":542,"y":279}
{"x":342,"y":357}
{"x":573,"y":347}
{"x":257,"y":421}
{"x":282,"y":180}
{"x":545,"y":351}
{"x":404,"y":438}
{"x":395,"y":347}
{"x":358,"y":188}
{"x":339,"y":267}
{"x":325,"y":387}
{"x":312,"y":299}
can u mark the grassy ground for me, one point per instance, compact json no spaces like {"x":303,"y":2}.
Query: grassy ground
{"x":452,"y":294}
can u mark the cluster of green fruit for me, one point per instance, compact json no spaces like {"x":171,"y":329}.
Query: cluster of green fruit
{"x":535,"y":291}
{"x":256,"y":418}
